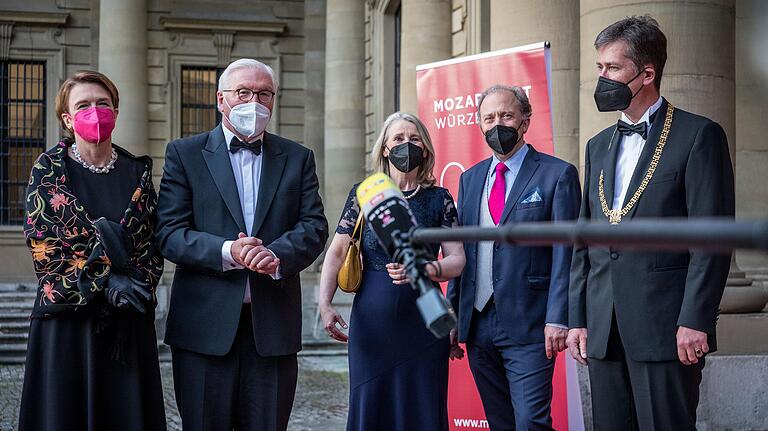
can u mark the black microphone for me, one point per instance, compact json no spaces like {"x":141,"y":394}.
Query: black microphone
{"x":390,"y":218}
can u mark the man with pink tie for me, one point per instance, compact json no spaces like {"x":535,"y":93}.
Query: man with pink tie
{"x":512,"y":301}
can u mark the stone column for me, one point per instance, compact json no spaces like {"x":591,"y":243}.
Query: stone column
{"x":751,"y":130}
{"x":314,"y":81}
{"x":344,"y":102}
{"x":123,"y":58}
{"x":477,"y":26}
{"x":425,"y":37}
{"x":518,"y":22}
{"x":751,"y":112}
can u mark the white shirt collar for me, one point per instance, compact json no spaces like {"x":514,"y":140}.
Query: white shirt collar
{"x":228,"y":134}
{"x":646,"y":115}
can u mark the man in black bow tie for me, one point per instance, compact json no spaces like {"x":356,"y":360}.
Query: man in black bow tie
{"x":645,"y":320}
{"x":236,"y":145}
{"x":240,"y":215}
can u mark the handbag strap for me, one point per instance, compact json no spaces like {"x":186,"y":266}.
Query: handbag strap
{"x":357,"y":233}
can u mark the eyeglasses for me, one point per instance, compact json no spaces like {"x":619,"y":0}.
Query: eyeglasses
{"x":246,"y":95}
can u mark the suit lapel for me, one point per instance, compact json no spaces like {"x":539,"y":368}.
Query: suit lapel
{"x":216,"y":156}
{"x":645,"y":156}
{"x":609,"y":166}
{"x":272,"y":165}
{"x":527,"y":169}
{"x":474,"y":192}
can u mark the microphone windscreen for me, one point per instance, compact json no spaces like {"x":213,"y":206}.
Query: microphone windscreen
{"x":385,"y":209}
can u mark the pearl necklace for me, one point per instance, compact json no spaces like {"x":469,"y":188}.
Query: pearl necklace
{"x":93,"y":168}
{"x":413,"y":193}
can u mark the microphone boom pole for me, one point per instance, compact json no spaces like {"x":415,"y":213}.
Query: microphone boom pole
{"x":659,"y":234}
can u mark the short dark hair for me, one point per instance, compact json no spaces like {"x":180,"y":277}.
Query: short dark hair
{"x":518,"y":92}
{"x":646,"y":44}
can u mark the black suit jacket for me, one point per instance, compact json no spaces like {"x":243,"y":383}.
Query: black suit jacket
{"x":199,"y":209}
{"x":654,"y":292}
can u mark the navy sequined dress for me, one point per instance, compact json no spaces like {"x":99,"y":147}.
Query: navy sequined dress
{"x":398,"y":370}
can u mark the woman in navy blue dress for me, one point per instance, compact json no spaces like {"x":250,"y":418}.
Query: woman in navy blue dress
{"x":398,"y":370}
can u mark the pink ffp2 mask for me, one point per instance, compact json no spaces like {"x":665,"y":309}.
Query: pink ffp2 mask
{"x":94,"y":124}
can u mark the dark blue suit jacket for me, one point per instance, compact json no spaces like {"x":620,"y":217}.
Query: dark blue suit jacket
{"x":530,"y":283}
{"x":199,"y":209}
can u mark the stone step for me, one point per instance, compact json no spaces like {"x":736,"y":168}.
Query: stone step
{"x":13,"y":349}
{"x":330,"y":352}
{"x":6,"y":316}
{"x":12,"y":360}
{"x":163,"y":351}
{"x":322,"y":348}
{"x":11,"y":326}
{"x":18,"y":287}
{"x":16,"y":305}
{"x":15,"y":338}
{"x":17,"y":296}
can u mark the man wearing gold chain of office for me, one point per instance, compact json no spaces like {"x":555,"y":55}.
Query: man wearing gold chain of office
{"x":644,"y":321}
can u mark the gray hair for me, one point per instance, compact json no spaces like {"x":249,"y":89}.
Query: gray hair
{"x":245,"y":63}
{"x":518,"y":92}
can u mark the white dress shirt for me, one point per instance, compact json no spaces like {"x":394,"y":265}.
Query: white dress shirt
{"x":630,"y":148}
{"x":246,"y":167}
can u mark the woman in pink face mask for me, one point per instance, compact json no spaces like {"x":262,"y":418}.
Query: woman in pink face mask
{"x":92,"y":349}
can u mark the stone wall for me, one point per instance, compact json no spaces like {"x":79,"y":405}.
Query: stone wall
{"x":60,"y":33}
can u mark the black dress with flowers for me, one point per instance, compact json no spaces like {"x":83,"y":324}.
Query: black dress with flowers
{"x":86,"y":370}
{"x":398,"y":370}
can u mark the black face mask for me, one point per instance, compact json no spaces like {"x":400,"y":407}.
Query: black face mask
{"x":613,"y":95}
{"x":406,"y":156}
{"x":502,"y":139}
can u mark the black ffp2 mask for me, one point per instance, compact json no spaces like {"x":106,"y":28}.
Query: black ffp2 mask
{"x":502,"y":139}
{"x":406,"y":156}
{"x":611,"y":95}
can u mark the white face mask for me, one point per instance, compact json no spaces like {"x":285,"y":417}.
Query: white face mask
{"x":249,"y":119}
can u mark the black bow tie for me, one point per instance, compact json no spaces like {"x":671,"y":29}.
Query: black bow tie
{"x":628,"y":129}
{"x":236,"y":145}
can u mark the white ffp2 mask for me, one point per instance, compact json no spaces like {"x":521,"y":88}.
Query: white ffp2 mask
{"x":249,"y":119}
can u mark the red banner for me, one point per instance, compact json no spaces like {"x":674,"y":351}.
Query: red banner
{"x":448,"y":92}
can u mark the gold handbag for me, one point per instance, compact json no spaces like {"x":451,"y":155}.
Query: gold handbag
{"x":351,"y":272}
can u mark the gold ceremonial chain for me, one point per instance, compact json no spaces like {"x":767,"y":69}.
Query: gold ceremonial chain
{"x":614,"y":216}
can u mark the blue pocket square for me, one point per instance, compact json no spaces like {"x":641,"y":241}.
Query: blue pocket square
{"x":532,"y":197}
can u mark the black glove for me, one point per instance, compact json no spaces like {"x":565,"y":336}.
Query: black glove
{"x":123,"y":291}
{"x":116,"y":242}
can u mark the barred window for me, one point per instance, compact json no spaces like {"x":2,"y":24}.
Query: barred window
{"x":22,"y":132}
{"x":199,"y":112}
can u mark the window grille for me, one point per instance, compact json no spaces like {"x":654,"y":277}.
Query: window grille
{"x":22,"y":132}
{"x":199,"y":112}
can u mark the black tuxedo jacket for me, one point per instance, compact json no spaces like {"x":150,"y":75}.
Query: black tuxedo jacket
{"x":654,"y":292}
{"x":199,"y":209}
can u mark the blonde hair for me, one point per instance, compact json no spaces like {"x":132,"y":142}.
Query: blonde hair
{"x":381,"y":164}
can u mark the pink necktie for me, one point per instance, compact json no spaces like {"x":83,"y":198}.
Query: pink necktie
{"x":498,"y":193}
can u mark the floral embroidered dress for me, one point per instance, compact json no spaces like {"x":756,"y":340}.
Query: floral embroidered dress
{"x":89,"y":365}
